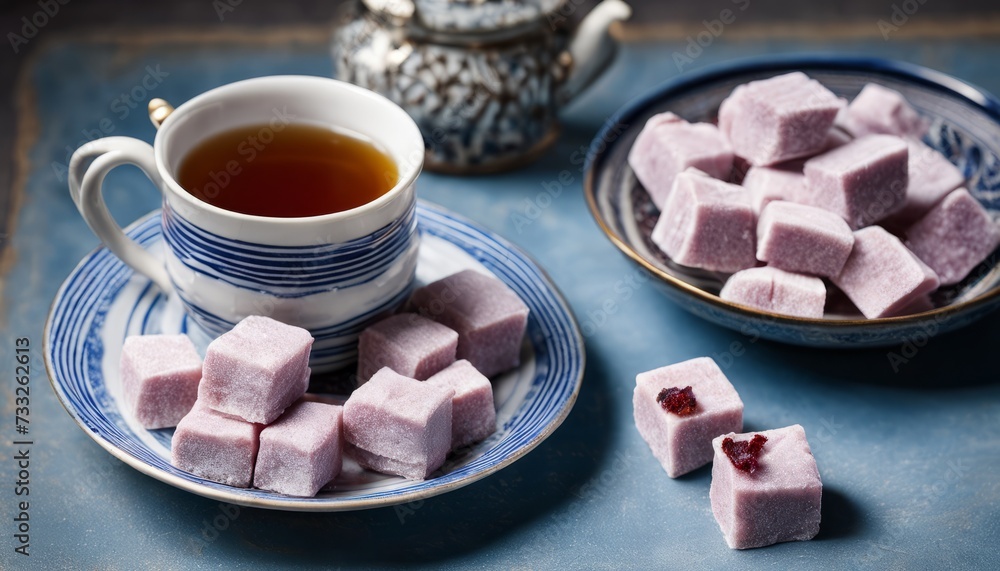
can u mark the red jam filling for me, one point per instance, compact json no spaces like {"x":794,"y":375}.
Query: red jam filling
{"x":678,"y":401}
{"x":744,"y":454}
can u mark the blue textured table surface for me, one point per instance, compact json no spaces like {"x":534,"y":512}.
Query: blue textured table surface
{"x":910,"y":455}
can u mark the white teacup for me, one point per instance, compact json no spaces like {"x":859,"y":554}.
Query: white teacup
{"x":331,"y":274}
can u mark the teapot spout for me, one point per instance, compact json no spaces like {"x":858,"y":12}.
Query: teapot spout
{"x":591,"y":47}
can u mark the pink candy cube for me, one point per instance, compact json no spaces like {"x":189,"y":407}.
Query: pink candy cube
{"x":766,"y":184}
{"x":881,"y":276}
{"x":731,"y":109}
{"x":836,"y":137}
{"x":774,"y":120}
{"x":776,"y":291}
{"x":932,"y":177}
{"x":398,"y":425}
{"x":407,"y":343}
{"x":256,"y":370}
{"x":707,"y":224}
{"x":803,"y":239}
{"x":473,"y":417}
{"x":668,"y":145}
{"x":160,"y":375}
{"x":683,"y":442}
{"x":301,"y":452}
{"x":954,"y":237}
{"x":216,"y":446}
{"x":863,"y":181}
{"x":489,"y":317}
{"x":878,"y":109}
{"x":779,"y":501}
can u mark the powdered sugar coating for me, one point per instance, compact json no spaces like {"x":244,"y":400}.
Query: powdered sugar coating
{"x":160,"y":376}
{"x":880,"y":110}
{"x":400,"y":419}
{"x":954,"y":237}
{"x":931,"y":178}
{"x":255,"y":370}
{"x":684,"y":443}
{"x":766,"y":184}
{"x":777,"y":291}
{"x":863,"y":181}
{"x":778,"y":119}
{"x":416,"y":470}
{"x":407,"y":343}
{"x":803,"y":239}
{"x":780,"y":501}
{"x":667,"y":145}
{"x":707,"y":224}
{"x":882,"y":277}
{"x":302,"y":451}
{"x":489,"y":317}
{"x":216,"y":446}
{"x":473,"y":416}
{"x":732,"y":109}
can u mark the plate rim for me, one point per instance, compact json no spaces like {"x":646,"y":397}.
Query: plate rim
{"x":972,"y":94}
{"x":293,"y":503}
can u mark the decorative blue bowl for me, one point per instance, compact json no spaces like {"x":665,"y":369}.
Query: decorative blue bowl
{"x":965,"y":127}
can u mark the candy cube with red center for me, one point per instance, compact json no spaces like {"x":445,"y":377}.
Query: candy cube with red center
{"x":766,"y":487}
{"x":680,"y":408}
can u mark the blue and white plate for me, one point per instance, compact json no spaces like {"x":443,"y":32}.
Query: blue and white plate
{"x":103,"y":301}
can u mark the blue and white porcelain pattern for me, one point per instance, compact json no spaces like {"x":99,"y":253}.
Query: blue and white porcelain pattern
{"x":480,"y":108}
{"x":288,"y":271}
{"x":965,"y":127}
{"x":198,"y":260}
{"x":331,"y":274}
{"x":484,"y":81}
{"x":103,"y":301}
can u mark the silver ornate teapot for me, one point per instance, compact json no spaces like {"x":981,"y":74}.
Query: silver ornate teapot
{"x":484,"y":79}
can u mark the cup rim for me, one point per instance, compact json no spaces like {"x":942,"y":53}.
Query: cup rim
{"x":407,"y":177}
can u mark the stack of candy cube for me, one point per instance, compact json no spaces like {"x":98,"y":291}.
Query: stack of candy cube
{"x":243,"y":417}
{"x":835,"y":195}
{"x":423,"y":386}
{"x":765,"y":488}
{"x":249,"y":426}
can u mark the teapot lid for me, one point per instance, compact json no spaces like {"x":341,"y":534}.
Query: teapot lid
{"x":462,"y":16}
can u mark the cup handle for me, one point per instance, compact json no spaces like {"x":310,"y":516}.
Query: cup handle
{"x":85,"y":183}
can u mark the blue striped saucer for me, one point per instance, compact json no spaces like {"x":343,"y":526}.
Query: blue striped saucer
{"x":103,"y":301}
